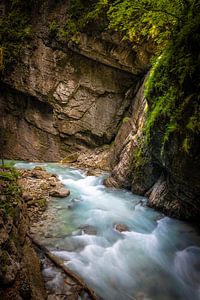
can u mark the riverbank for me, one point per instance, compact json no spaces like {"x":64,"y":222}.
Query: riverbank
{"x":24,"y":197}
{"x":20,"y":275}
{"x":39,"y":188}
{"x":117,"y":262}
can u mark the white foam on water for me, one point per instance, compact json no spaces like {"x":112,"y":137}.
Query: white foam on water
{"x":157,"y":258}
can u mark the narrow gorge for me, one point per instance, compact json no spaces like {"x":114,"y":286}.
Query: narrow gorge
{"x":112,"y":88}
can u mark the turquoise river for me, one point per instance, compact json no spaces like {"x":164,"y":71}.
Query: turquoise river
{"x":156,"y":258}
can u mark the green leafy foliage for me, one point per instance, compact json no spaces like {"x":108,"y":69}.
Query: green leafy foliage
{"x":144,"y":20}
{"x":136,"y":20}
{"x":15,"y":29}
{"x":83,"y":16}
{"x":172,"y":88}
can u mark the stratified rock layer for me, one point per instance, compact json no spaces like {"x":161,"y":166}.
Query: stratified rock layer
{"x":168,"y":176}
{"x":62,"y":97}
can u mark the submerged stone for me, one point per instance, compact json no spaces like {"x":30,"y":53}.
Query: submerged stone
{"x":121,"y":227}
{"x":88,"y":229}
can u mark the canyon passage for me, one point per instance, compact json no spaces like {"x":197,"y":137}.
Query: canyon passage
{"x":151,"y":257}
{"x":111,"y":86}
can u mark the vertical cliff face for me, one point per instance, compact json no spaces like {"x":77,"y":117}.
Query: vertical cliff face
{"x":177,"y":190}
{"x":61,"y":97}
{"x":168,"y":176}
{"x":68,"y":102}
{"x":27,"y":127}
{"x":56,"y":102}
{"x":131,"y":162}
{"x":127,"y":140}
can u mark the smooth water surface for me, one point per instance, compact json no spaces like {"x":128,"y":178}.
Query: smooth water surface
{"x":158,"y":258}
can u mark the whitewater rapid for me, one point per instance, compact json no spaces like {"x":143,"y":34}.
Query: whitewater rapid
{"x":156,"y":258}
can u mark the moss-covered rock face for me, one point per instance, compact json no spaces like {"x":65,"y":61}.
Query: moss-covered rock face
{"x":172,"y":127}
{"x":19,"y":279}
{"x":166,"y":160}
{"x":172,"y":88}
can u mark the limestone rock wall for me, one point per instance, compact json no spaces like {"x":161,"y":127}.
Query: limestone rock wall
{"x":27,"y":127}
{"x":177,"y":190}
{"x":127,"y":140}
{"x":72,"y":102}
{"x":130,"y":169}
{"x":168,"y":177}
{"x":62,"y":97}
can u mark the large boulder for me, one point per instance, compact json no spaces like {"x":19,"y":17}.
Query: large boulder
{"x":59,"y":192}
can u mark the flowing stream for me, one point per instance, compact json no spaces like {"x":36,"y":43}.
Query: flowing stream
{"x":157,"y":258}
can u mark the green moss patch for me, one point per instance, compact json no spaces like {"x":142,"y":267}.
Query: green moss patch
{"x":10,"y":193}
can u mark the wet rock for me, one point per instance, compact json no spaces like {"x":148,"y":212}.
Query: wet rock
{"x":88,"y":229}
{"x":60,"y":193}
{"x":52,"y":181}
{"x":32,"y":273}
{"x":37,"y":186}
{"x":70,"y":158}
{"x":126,"y":143}
{"x":16,"y":280}
{"x":39,"y":168}
{"x":39,"y":173}
{"x":121,"y":227}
